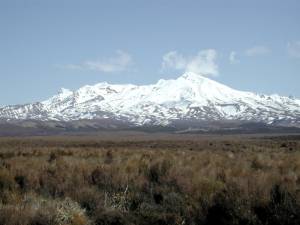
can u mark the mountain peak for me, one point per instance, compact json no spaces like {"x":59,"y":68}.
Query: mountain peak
{"x":64,"y":92}
{"x":193,"y":76}
{"x":191,"y":97}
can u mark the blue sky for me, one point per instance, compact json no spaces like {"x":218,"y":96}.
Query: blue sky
{"x":45,"y":45}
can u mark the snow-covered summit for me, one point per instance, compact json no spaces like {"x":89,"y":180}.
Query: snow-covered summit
{"x":189,"y":97}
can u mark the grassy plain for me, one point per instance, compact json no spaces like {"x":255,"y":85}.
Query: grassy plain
{"x":133,"y":178}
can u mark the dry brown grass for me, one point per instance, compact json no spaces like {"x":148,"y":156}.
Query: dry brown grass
{"x":190,"y":181}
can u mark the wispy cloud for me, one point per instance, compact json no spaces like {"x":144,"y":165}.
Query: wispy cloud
{"x":204,"y":62}
{"x":118,"y":63}
{"x":293,"y":49}
{"x":257,"y":50}
{"x":232,"y":58}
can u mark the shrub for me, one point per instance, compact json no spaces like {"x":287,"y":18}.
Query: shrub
{"x":22,"y":181}
{"x":229,"y":208}
{"x":101,"y":178}
{"x":89,"y":199}
{"x":108,"y":157}
{"x":79,"y":220}
{"x":52,"y":157}
{"x":12,"y":215}
{"x":157,"y":171}
{"x":43,"y":217}
{"x":76,"y":181}
{"x":281,"y":210}
{"x":67,"y":211}
{"x":111,"y":218}
{"x":158,"y":217}
{"x":6,"y":180}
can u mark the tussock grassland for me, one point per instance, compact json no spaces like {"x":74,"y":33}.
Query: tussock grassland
{"x":209,"y":181}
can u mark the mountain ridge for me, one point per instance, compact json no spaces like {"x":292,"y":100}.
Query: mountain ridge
{"x":190,"y":97}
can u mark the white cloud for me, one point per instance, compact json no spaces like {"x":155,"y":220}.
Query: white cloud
{"x":294,"y":49}
{"x":203,"y":63}
{"x":121,"y":62}
{"x":257,"y":50}
{"x":232,"y":58}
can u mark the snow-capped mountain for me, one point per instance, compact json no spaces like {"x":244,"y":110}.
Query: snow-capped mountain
{"x":191,"y":97}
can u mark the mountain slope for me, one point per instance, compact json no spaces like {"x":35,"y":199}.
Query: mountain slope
{"x":190,"y":97}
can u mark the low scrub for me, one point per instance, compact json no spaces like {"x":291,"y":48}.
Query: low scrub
{"x":67,"y":181}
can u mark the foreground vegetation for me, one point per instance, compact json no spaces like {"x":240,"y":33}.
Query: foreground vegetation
{"x":207,"y":181}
